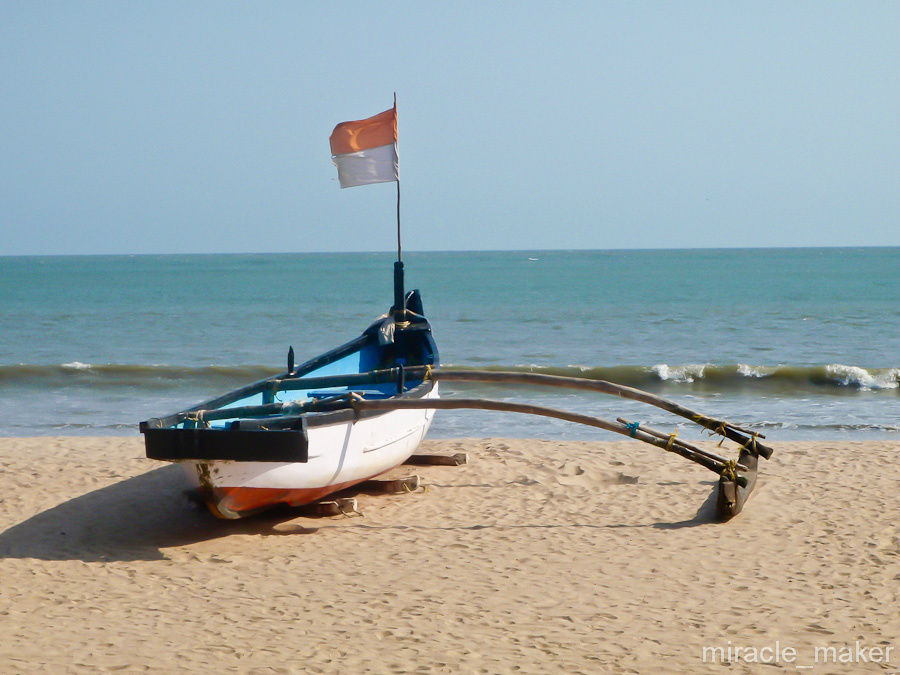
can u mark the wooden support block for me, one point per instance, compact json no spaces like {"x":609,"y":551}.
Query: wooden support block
{"x":347,"y":505}
{"x":329,"y":508}
{"x":458,"y":459}
{"x":408,"y":484}
{"x":332,"y":507}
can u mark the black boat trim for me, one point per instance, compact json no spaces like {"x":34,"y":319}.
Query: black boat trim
{"x":258,"y":445}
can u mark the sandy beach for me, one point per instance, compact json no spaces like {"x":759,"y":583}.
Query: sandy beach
{"x":537,"y":556}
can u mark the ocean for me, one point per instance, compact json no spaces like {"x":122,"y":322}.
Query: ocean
{"x":794,"y":343}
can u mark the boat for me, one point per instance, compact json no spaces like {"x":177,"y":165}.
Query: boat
{"x":294,"y":438}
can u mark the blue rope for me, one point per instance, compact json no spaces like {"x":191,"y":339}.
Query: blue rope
{"x":633,"y":427}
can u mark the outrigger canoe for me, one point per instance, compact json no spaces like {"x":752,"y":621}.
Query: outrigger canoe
{"x":363,"y":408}
{"x":294,"y":438}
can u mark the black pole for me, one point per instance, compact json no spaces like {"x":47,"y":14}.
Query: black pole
{"x":399,"y":249}
{"x":399,"y":300}
{"x":399,"y":293}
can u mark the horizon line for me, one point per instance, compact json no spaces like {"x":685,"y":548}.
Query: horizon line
{"x":392,"y":252}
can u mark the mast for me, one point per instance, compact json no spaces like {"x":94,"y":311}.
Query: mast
{"x":399,"y":299}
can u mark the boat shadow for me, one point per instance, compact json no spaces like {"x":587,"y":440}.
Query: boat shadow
{"x":134,"y":519}
{"x":138,"y":518}
{"x":706,"y":514}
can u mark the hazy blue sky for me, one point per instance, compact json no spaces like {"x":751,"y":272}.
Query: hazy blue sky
{"x":131,"y":127}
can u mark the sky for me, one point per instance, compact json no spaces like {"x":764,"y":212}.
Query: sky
{"x":202,"y":127}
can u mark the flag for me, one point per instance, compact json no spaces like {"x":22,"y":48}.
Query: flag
{"x":365,"y":151}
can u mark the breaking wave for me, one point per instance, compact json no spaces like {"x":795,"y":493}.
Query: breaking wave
{"x":854,"y":376}
{"x":113,"y":375}
{"x":708,"y":377}
{"x":687,"y":373}
{"x":702,"y":378}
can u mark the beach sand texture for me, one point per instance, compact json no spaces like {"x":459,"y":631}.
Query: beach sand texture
{"x":574,"y":557}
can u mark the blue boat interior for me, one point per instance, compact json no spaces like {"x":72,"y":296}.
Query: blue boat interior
{"x":411,"y":346}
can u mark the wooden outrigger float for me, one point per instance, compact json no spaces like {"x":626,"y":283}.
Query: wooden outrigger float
{"x":361,"y":409}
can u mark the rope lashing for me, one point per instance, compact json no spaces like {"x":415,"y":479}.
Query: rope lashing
{"x":633,"y":427}
{"x":750,"y":445}
{"x":672,"y":437}
{"x":729,"y":471}
{"x":721,"y":431}
{"x":198,"y":418}
{"x":355,"y":397}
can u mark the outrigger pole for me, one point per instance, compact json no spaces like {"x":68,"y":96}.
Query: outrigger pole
{"x":743,"y":437}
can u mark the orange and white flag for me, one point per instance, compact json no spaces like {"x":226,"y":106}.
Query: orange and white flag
{"x":365,"y":151}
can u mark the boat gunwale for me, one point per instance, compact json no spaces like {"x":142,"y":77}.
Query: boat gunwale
{"x":259,"y":386}
{"x":344,"y":412}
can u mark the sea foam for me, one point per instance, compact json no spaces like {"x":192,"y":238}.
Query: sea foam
{"x":685,"y":373}
{"x":854,"y":376}
{"x":753,"y":371}
{"x":77,"y":365}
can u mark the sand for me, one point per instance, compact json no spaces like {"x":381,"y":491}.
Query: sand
{"x":535,"y":557}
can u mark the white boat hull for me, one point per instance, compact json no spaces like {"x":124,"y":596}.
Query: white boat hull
{"x":340,"y":455}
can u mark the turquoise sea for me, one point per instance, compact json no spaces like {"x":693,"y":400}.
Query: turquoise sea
{"x":797,"y":343}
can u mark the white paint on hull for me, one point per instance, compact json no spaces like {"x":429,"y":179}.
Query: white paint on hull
{"x":338,"y":453}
